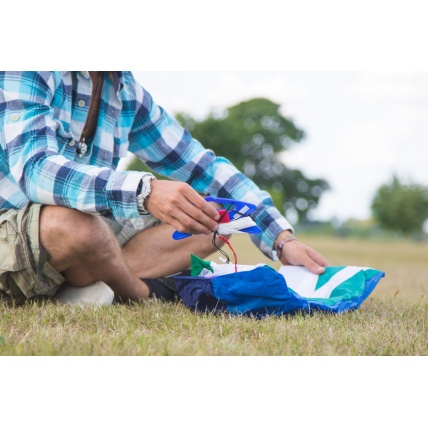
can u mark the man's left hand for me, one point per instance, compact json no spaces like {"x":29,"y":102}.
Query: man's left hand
{"x":294,"y":253}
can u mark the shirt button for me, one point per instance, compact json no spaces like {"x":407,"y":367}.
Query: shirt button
{"x":71,"y":143}
{"x":15,"y":116}
{"x":81,"y":103}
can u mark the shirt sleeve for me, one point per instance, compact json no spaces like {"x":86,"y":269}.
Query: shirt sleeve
{"x":160,"y":141}
{"x":30,"y":144}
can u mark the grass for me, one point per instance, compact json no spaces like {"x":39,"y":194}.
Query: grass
{"x":392,"y":321}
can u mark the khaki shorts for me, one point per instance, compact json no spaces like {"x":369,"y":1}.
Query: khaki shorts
{"x":24,"y":268}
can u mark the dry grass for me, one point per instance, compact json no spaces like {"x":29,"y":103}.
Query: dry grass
{"x":393,"y":321}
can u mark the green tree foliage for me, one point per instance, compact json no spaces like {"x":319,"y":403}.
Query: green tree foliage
{"x":252,"y":135}
{"x":401,"y":207}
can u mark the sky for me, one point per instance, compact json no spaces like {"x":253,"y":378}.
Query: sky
{"x":361,"y":126}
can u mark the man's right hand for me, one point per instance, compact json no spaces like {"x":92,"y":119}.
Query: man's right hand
{"x":182,"y":207}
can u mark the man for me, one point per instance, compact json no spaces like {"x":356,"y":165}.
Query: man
{"x":68,"y":216}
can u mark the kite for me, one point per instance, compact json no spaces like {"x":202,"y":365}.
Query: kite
{"x":261,"y":290}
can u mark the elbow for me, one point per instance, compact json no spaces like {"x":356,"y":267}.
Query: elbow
{"x":28,"y":175}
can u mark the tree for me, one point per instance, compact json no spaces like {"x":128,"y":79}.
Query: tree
{"x":401,"y":207}
{"x":252,"y":135}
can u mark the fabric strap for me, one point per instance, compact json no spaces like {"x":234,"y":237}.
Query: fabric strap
{"x":90,"y":127}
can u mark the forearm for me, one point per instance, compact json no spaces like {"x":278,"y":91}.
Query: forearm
{"x":54,"y":180}
{"x":170,"y":150}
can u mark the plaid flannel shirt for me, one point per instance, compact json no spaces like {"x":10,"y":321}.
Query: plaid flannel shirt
{"x":42,"y":115}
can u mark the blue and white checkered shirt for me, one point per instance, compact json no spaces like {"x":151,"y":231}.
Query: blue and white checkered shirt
{"x":42,"y":115}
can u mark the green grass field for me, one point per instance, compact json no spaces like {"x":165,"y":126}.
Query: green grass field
{"x":392,"y":321}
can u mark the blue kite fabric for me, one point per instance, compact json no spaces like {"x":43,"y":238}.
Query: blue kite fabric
{"x":261,"y":291}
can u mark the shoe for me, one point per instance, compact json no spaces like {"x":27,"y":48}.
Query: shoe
{"x":96,"y":294}
{"x":164,"y":288}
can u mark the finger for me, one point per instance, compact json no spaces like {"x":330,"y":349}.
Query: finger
{"x":200,"y":203}
{"x":187,"y":224}
{"x":297,"y":254}
{"x":201,"y":217}
{"x":318,"y":258}
{"x":312,"y":265}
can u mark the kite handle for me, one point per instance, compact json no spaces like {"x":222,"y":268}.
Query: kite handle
{"x":238,"y":208}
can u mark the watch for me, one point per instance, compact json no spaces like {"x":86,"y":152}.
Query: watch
{"x":143,"y":192}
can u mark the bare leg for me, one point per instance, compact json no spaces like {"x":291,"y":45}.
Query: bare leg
{"x":84,"y":250}
{"x":154,"y":254}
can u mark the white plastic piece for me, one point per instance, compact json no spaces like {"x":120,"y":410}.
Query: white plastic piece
{"x":235,"y":226}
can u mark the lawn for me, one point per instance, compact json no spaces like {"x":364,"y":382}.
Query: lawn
{"x":392,"y":321}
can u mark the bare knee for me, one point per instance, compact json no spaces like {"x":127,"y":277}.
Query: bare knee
{"x":68,"y":235}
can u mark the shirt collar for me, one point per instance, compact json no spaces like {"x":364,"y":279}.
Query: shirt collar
{"x":85,"y":74}
{"x":117,"y":79}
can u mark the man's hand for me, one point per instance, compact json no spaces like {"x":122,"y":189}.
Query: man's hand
{"x":182,"y":207}
{"x":295,"y":253}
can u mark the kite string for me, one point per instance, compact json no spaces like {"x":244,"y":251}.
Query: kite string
{"x":215,"y":236}
{"x":222,"y":238}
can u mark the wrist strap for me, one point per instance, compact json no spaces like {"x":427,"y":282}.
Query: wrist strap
{"x":282,"y":243}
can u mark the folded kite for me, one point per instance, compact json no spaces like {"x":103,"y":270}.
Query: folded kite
{"x":260,"y":290}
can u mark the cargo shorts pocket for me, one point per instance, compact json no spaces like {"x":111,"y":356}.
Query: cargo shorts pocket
{"x":11,"y":245}
{"x":23,"y":263}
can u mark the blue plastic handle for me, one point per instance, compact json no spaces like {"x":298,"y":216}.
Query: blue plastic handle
{"x":238,"y":208}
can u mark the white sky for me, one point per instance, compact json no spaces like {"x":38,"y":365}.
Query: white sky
{"x":361,"y":127}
